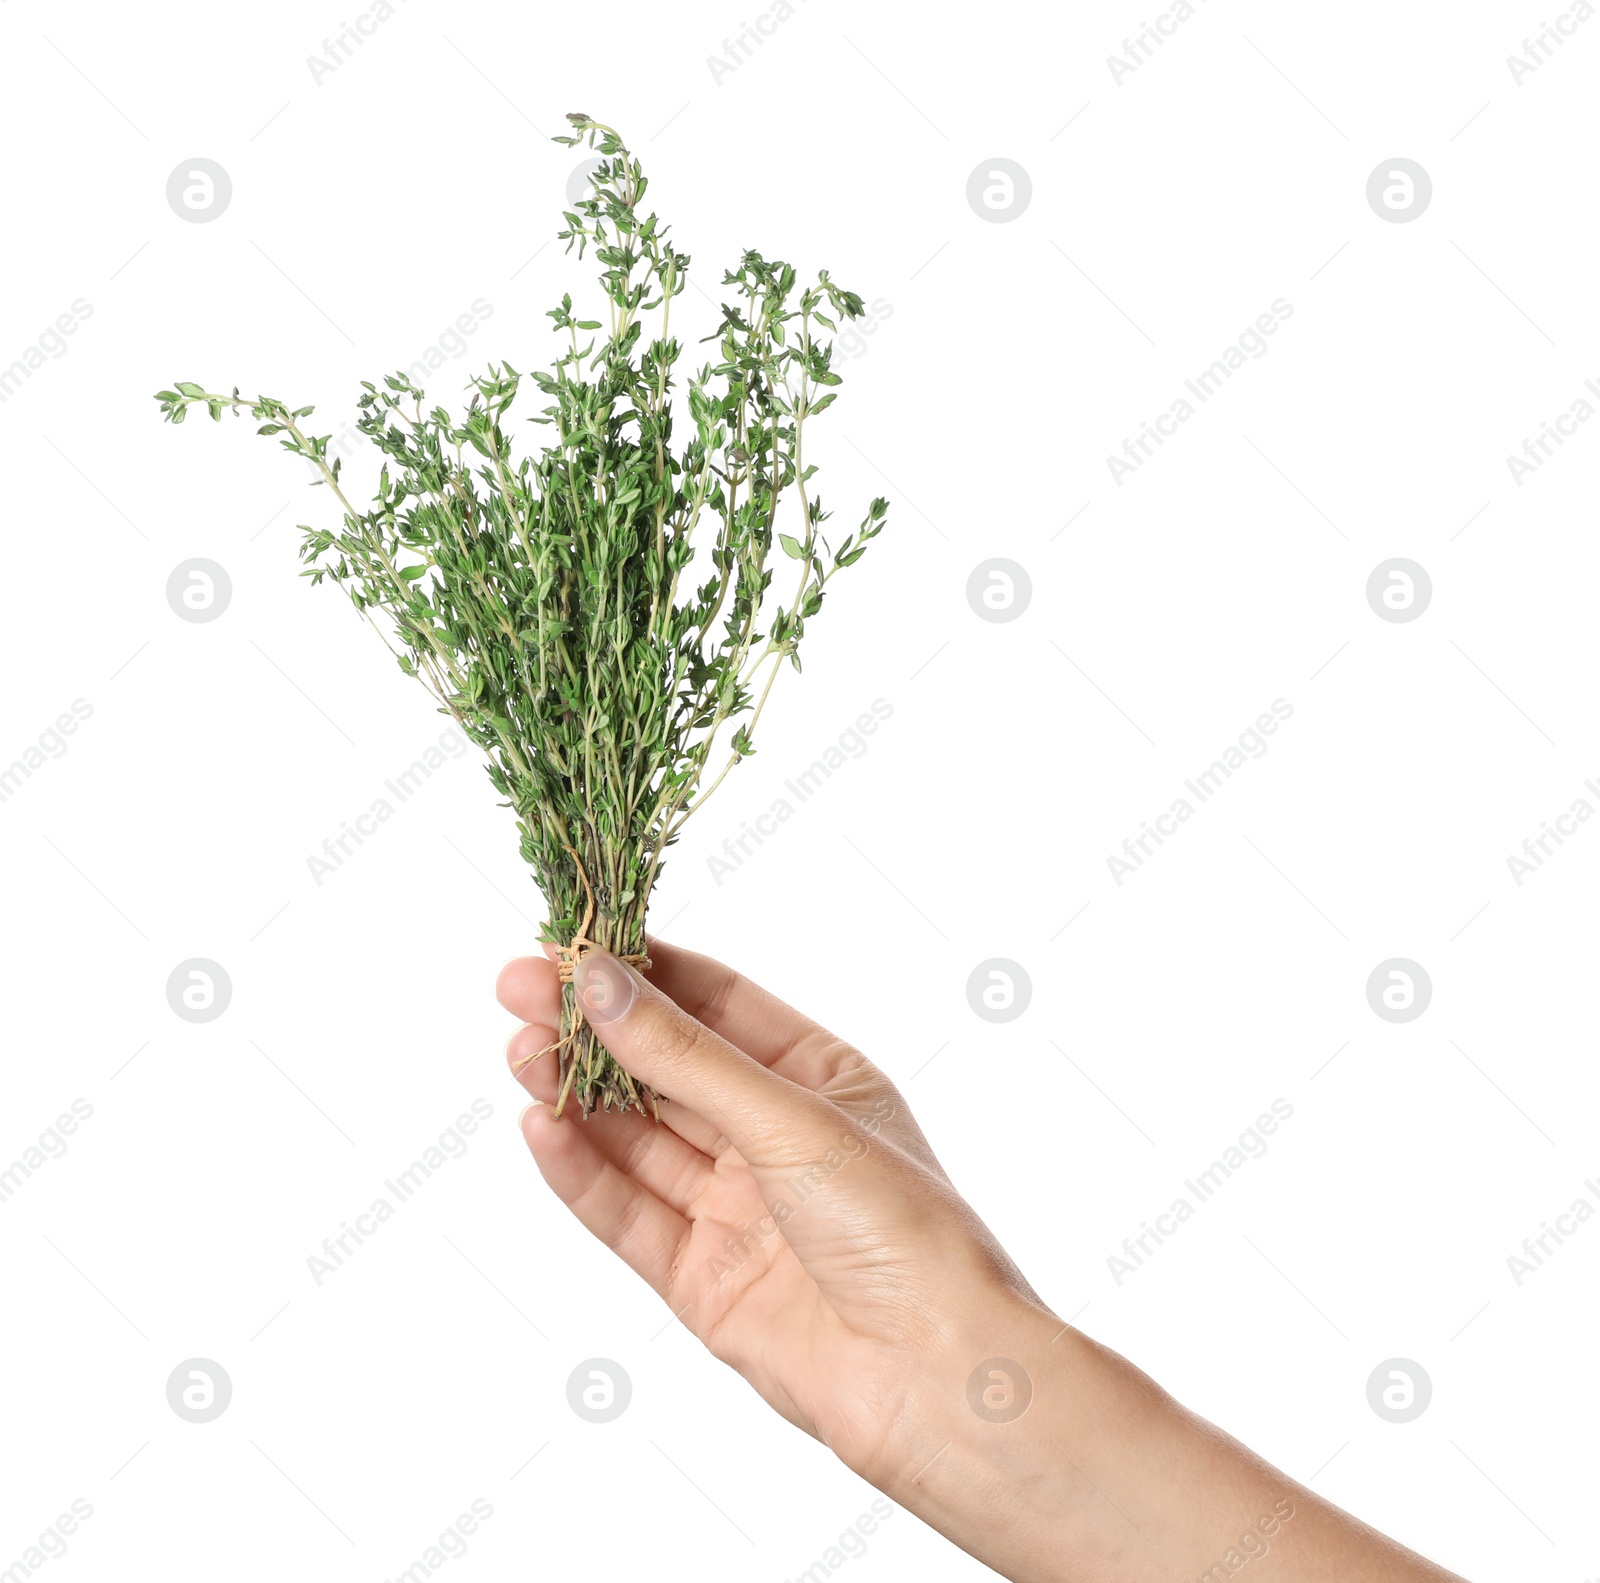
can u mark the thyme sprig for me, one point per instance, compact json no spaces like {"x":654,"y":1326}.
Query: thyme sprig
{"x":594,"y":617}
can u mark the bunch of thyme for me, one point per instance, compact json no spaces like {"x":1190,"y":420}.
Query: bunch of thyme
{"x":541,"y":600}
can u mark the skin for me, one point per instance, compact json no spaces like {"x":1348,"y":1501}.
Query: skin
{"x":789,"y":1211}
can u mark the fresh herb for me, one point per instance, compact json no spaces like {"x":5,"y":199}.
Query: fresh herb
{"x":546,"y":601}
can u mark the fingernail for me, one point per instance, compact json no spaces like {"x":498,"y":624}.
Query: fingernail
{"x":604,"y":987}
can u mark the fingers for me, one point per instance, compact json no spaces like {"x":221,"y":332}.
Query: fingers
{"x":528,"y":988}
{"x":657,"y":1157}
{"x":851,"y":1206}
{"x":745,"y":1014}
{"x":779,"y":1037}
{"x":646,"y":1234}
{"x":540,"y":1076}
{"x":772,"y":1121}
{"x":748,"y":1016}
{"x":537,"y":1073}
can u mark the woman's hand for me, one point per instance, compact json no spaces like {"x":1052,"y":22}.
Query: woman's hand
{"x":786,"y":1207}
{"x":789,"y":1211}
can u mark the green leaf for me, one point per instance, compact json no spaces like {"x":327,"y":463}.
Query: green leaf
{"x":590,"y":601}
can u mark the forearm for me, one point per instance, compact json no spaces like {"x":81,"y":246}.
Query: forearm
{"x":1105,"y":1477}
{"x":887,"y":1320}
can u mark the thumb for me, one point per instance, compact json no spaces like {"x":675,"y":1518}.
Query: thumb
{"x":772,"y":1122}
{"x":850,"y":1229}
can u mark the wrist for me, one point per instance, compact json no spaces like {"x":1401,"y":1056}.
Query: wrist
{"x":1013,"y":1443}
{"x":1054,"y":1460}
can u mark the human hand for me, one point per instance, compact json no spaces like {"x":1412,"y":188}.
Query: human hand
{"x":787,"y":1207}
{"x":790,"y":1212}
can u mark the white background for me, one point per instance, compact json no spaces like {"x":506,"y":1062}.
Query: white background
{"x":1167,"y":612}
